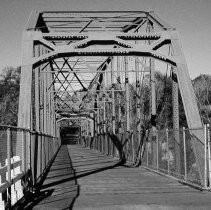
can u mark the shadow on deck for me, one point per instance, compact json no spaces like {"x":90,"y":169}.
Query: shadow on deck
{"x":60,"y":188}
{"x":81,"y":178}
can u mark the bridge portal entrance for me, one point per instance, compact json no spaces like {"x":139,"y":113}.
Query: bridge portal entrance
{"x":125,"y":71}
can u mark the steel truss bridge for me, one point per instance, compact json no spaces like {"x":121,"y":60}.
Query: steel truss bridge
{"x":98,"y":70}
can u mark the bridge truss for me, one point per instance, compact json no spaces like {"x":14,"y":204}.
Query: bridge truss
{"x":98,"y":69}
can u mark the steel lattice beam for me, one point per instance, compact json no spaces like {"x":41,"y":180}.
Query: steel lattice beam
{"x":63,"y":47}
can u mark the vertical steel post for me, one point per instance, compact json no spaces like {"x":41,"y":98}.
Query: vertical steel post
{"x":9,"y":165}
{"x":24,"y":110}
{"x":138,"y":101}
{"x":33,"y":156}
{"x":138,"y":107}
{"x":49,"y":140}
{"x":119,"y":96}
{"x":98,"y":122}
{"x":147,"y":154}
{"x":43,"y":152}
{"x":25,"y":98}
{"x":39,"y":154}
{"x":42,"y":95}
{"x":113,"y":99}
{"x":185,"y":155}
{"x":28,"y":149}
{"x":153,"y":94}
{"x":175,"y":104}
{"x":205,"y":156}
{"x":23,"y":167}
{"x":209,"y":155}
{"x":48,"y":99}
{"x":150,"y":28}
{"x":105,"y":114}
{"x":133,"y":150}
{"x":36,"y":89}
{"x":127,"y":94}
{"x":43,"y":99}
{"x":167,"y":142}
{"x":153,"y":110}
{"x":157,"y":150}
{"x":87,"y":128}
{"x":41,"y":110}
{"x":104,"y":105}
{"x":119,"y":100}
{"x":104,"y":125}
{"x":53,"y":116}
{"x":50,"y":102}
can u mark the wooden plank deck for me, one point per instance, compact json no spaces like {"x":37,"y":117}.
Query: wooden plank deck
{"x":89,"y":180}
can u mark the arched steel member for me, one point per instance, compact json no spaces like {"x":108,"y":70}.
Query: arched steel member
{"x":87,"y":118}
{"x":73,"y":118}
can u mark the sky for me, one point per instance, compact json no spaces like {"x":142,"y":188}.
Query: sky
{"x":190,"y":17}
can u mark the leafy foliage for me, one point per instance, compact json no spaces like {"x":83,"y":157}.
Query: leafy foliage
{"x":164,"y":103}
{"x":9,"y":94}
{"x":202,"y":87}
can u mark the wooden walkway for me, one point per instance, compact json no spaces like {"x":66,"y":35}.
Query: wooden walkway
{"x":89,"y":180}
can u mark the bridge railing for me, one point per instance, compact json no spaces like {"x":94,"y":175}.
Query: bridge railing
{"x":166,"y":155}
{"x":169,"y":152}
{"x":125,"y":145}
{"x":24,"y":158}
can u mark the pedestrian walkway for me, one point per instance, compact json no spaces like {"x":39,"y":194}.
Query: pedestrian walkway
{"x":89,"y":180}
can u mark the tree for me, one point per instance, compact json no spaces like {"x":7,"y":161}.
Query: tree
{"x":9,"y":95}
{"x":202,"y":88}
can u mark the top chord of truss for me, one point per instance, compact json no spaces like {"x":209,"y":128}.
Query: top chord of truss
{"x":92,"y":21}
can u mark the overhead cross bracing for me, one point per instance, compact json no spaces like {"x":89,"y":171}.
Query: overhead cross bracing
{"x":83,"y":21}
{"x":103,"y":64}
{"x":78,"y":29}
{"x":71,"y":28}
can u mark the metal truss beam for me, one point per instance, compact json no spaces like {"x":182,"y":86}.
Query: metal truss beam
{"x":157,"y":20}
{"x":36,"y":22}
{"x":125,"y":36}
{"x":113,"y":52}
{"x":65,"y":36}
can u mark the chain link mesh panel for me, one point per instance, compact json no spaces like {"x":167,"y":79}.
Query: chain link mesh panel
{"x":167,"y":155}
{"x":3,"y":147}
{"x":30,"y":154}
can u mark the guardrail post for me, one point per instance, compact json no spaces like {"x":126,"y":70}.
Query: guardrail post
{"x":205,"y":156}
{"x":209,"y":155}
{"x":108,"y":144}
{"x":28,"y":149}
{"x":133,"y":149}
{"x":43,"y":152}
{"x":167,"y":150}
{"x":39,"y":154}
{"x":157,"y":149}
{"x":47,"y":150}
{"x":101,"y":142}
{"x":2,"y":203}
{"x":33,"y":156}
{"x":9,"y":166}
{"x":185,"y":154}
{"x":49,"y":143}
{"x":147,"y":146}
{"x":23,"y":152}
